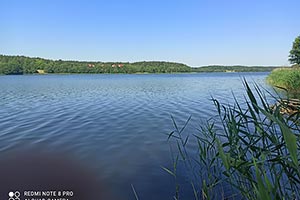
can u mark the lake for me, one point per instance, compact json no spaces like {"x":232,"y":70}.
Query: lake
{"x":112,"y":126}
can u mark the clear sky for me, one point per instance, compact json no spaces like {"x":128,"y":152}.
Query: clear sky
{"x":194,"y":32}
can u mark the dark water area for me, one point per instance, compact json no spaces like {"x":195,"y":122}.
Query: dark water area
{"x":100,"y":134}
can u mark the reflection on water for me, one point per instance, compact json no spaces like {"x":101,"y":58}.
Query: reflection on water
{"x":113,"y":124}
{"x":35,"y":171}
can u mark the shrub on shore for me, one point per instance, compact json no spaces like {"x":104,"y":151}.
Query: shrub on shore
{"x":288,"y":79}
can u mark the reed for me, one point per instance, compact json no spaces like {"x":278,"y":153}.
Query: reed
{"x":255,"y":155}
{"x":288,"y":79}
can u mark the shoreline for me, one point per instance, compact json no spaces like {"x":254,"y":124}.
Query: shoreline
{"x":139,"y":73}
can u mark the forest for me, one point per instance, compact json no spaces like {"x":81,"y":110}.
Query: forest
{"x":13,"y":65}
{"x":236,"y":68}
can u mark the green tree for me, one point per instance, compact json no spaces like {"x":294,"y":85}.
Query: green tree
{"x":294,"y":56}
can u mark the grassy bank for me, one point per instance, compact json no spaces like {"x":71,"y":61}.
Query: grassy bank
{"x":286,"y":78}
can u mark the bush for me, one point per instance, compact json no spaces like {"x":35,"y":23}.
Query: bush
{"x":288,"y":79}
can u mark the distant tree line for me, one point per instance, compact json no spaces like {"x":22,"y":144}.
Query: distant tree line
{"x":28,"y":65}
{"x":236,"y":68}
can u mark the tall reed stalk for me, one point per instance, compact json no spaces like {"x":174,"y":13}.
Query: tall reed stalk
{"x":255,"y":155}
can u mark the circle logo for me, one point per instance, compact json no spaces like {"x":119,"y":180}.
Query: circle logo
{"x":14,"y":195}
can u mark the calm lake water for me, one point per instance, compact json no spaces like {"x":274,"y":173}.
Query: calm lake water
{"x":114,"y":125}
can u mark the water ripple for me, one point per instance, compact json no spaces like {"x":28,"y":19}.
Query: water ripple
{"x":117,"y":121}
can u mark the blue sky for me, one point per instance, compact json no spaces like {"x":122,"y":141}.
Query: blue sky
{"x":195,"y":32}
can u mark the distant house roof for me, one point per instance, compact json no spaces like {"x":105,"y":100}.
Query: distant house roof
{"x":40,"y":71}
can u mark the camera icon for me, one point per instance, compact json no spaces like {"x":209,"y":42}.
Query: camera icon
{"x":14,"y":195}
